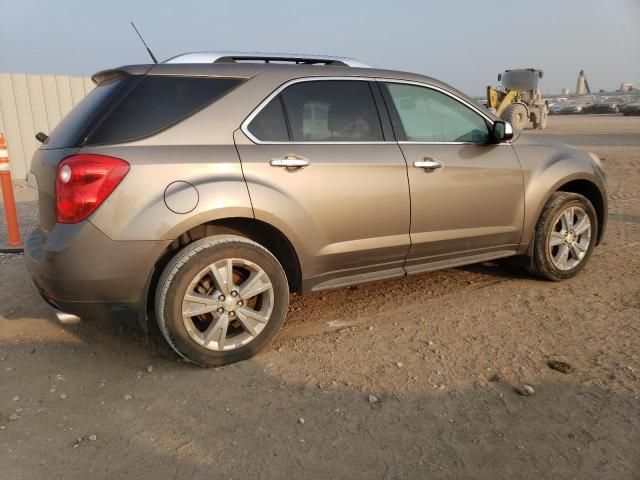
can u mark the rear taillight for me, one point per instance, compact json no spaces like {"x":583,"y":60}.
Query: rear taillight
{"x":83,"y":182}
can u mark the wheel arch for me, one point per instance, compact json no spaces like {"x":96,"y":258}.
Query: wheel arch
{"x":260,"y":232}
{"x":590,"y":190}
{"x":574,"y":184}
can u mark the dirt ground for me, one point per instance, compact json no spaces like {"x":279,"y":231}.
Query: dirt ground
{"x":443,"y":353}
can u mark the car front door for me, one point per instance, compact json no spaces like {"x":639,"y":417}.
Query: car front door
{"x":467,"y":198}
{"x":323,"y":167}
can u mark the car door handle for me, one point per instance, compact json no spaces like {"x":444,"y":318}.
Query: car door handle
{"x":428,"y":164}
{"x":290,"y":161}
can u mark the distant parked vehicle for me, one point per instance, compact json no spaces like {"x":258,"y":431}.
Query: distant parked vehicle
{"x":631,"y":109}
{"x":609,"y":105}
{"x":572,"y":109}
{"x":556,"y":108}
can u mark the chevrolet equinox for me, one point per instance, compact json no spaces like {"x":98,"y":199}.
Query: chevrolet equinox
{"x":202,"y":191}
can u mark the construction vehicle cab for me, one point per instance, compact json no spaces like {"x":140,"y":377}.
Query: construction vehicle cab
{"x":519,"y":100}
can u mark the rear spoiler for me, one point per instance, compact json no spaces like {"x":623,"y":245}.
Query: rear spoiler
{"x":112,"y":73}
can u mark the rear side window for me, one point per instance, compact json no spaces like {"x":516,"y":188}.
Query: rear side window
{"x":157,"y":102}
{"x":269,"y":125}
{"x":332,"y":111}
{"x":71,"y":128}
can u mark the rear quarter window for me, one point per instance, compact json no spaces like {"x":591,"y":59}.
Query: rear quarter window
{"x":270,"y":124}
{"x":156,"y":103}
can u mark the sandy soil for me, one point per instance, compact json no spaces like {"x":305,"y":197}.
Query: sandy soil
{"x":443,"y":353}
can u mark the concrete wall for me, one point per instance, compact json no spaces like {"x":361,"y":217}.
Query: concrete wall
{"x":33,"y":103}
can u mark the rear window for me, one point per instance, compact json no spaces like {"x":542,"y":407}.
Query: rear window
{"x":70,"y":129}
{"x":157,"y":102}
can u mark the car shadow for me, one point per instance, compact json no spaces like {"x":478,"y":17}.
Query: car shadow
{"x":503,"y":268}
{"x":254,"y":420}
{"x":313,"y":310}
{"x":294,"y":410}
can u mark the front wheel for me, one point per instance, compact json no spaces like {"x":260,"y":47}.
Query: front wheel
{"x":516,"y":115}
{"x":221,"y":299}
{"x":565,"y":236}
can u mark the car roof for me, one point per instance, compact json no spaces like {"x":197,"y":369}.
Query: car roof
{"x":280,"y":71}
{"x":248,"y":70}
{"x":295,"y":58}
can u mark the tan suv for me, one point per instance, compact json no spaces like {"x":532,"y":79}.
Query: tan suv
{"x":202,"y":191}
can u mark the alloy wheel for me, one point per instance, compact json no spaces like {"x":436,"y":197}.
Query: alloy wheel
{"x":227,"y":304}
{"x":569,"y":238}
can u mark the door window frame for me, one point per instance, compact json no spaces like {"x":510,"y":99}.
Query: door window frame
{"x":384,"y":106}
{"x":376,"y":96}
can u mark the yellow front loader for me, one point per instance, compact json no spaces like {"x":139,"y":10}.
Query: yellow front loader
{"x":519,"y":100}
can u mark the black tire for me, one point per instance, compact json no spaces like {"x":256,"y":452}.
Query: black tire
{"x":545,"y":120}
{"x":541,"y":262}
{"x":183,"y":268}
{"x":516,"y":115}
{"x":541,"y":122}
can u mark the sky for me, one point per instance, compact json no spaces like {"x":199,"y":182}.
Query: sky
{"x":465,"y":43}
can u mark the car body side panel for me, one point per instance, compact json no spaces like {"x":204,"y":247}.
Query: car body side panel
{"x":546,"y":167}
{"x":78,"y":263}
{"x":137,"y":209}
{"x":473,"y":203}
{"x":348,"y":210}
{"x":198,"y":150}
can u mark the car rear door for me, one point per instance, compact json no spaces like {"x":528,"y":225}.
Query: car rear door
{"x":322,"y":167}
{"x":467,"y":197}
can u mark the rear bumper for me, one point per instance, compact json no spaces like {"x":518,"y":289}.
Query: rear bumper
{"x":127,"y":312}
{"x":79,"y":270}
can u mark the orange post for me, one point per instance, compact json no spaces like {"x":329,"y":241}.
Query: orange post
{"x":7,"y":195}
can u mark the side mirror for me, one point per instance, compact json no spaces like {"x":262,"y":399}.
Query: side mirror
{"x":502,"y":131}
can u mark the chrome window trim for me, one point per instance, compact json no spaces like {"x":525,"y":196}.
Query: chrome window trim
{"x":410,"y":142}
{"x":321,"y":143}
{"x":446,"y":92}
{"x":245,"y":124}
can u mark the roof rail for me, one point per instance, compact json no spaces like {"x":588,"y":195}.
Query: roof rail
{"x":233,"y":57}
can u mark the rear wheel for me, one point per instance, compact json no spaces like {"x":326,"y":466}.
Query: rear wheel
{"x":565,"y":236}
{"x":516,"y":114}
{"x":221,"y":299}
{"x":545,"y":119}
{"x":541,"y":121}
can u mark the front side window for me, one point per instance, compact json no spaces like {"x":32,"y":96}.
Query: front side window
{"x":332,"y":111}
{"x":428,"y":115}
